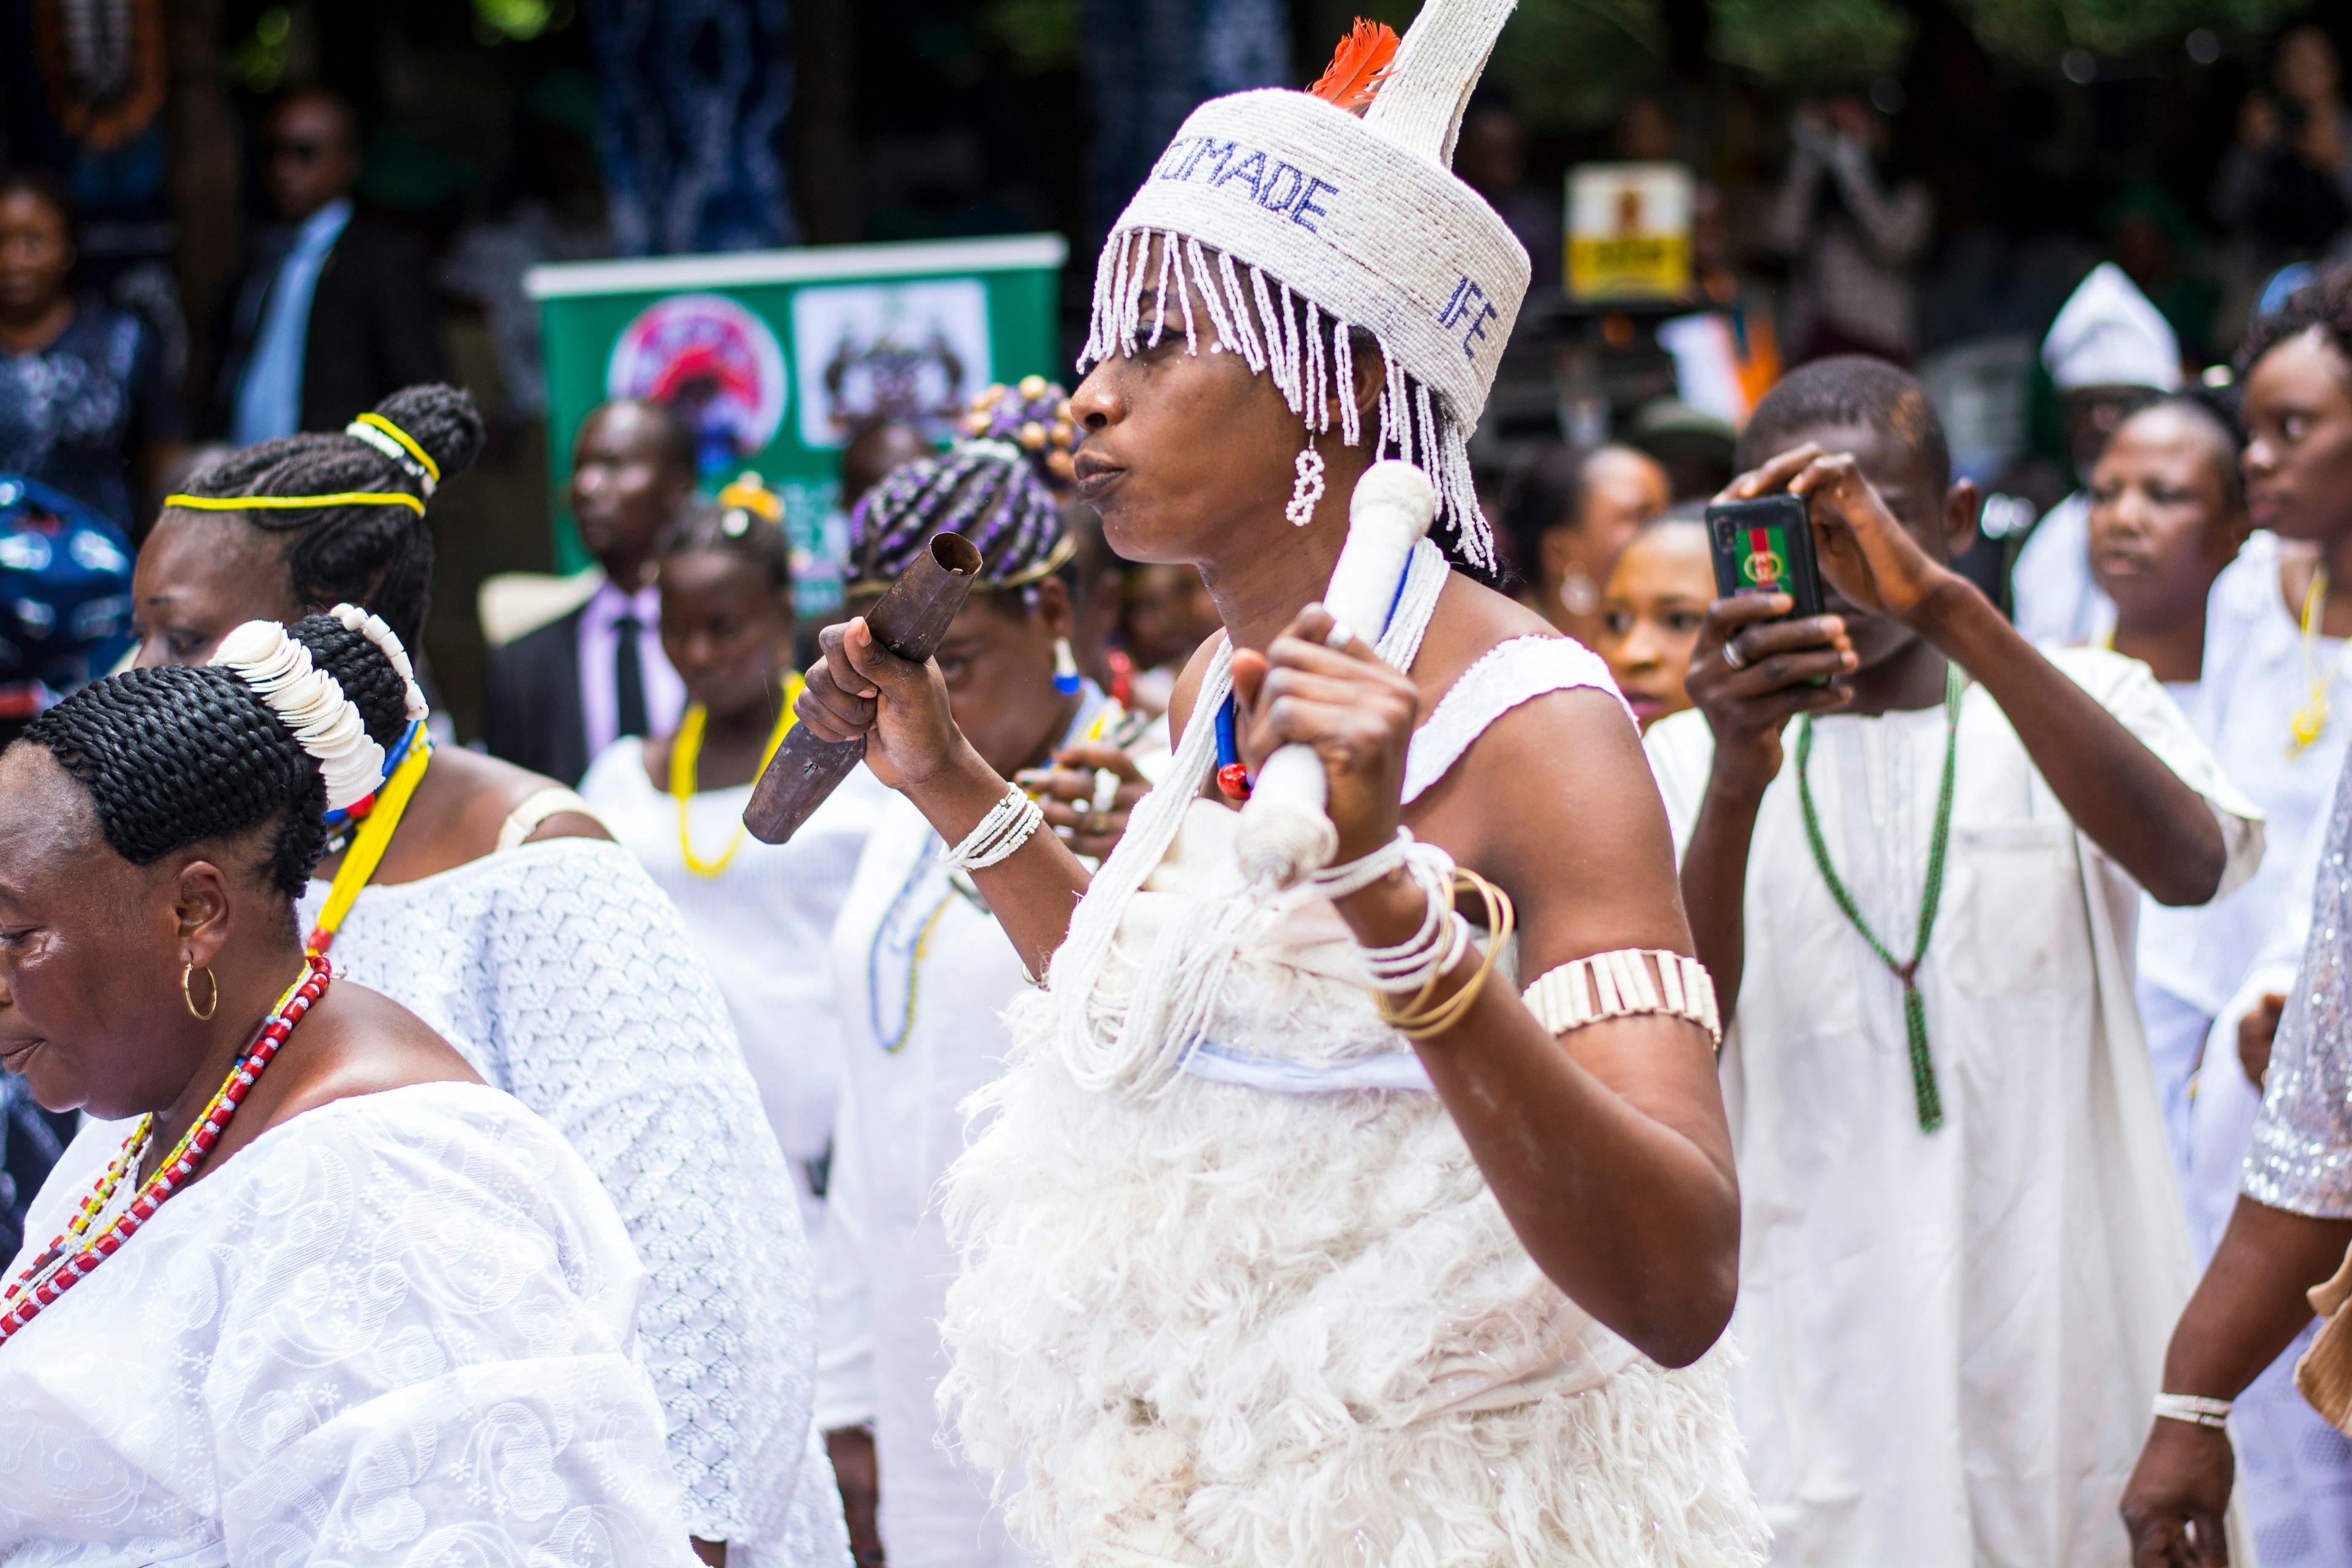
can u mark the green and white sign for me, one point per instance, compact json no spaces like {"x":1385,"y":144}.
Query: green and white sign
{"x":775,"y":356}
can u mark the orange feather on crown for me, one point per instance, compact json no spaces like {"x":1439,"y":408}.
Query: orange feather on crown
{"x":1357,"y":67}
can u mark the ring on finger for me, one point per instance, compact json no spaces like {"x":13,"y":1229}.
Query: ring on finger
{"x":1733,"y":656}
{"x":1094,"y":824}
{"x":1338,"y":636}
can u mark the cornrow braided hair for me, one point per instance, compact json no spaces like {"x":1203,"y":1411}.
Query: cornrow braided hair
{"x":378,"y":557}
{"x":985,"y":490}
{"x":181,"y":754}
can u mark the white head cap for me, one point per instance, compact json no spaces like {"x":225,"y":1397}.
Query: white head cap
{"x":1325,"y":222}
{"x":2109,"y":335}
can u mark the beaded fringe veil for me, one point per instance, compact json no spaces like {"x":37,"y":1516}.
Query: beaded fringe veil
{"x":1306,"y":350}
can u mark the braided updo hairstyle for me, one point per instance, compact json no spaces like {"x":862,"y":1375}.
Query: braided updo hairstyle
{"x":378,"y":557}
{"x":735,"y":530}
{"x":181,"y":754}
{"x":985,"y":490}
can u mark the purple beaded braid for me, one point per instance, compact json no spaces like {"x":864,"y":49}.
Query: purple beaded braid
{"x":982,"y":489}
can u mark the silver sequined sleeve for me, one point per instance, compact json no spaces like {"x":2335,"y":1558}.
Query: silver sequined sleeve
{"x":2301,"y":1156}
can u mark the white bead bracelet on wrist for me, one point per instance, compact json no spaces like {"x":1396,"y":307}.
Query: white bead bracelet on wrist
{"x":2194,"y":1409}
{"x":1444,"y":937}
{"x":1005,"y":828}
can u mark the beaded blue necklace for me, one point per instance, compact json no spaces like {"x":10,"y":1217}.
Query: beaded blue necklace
{"x":1231,"y":777}
{"x":343,"y":823}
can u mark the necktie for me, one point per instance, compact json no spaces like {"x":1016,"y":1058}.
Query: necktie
{"x":628,"y":677}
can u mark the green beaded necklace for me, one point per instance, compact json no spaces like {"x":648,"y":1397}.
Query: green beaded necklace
{"x":1915,"y":1007}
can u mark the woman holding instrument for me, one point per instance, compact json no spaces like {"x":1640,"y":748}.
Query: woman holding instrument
{"x":924,"y":973}
{"x":1293,"y":1232}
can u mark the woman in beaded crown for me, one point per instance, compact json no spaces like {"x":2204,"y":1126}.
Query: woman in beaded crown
{"x":324,"y":1239}
{"x":1294,"y":1233}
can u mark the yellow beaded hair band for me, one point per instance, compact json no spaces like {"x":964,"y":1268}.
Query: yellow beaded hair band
{"x":292,"y":503}
{"x":392,"y":441}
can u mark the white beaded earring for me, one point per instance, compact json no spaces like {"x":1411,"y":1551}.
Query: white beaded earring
{"x":1307,"y":492}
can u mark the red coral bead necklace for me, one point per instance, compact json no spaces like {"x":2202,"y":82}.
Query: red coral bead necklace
{"x":62,"y":1265}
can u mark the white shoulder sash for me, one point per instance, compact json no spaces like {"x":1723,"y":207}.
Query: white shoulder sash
{"x":1506,"y":675}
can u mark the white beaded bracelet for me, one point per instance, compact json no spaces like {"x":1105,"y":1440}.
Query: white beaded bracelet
{"x":1444,"y":937}
{"x":1005,"y":828}
{"x":1338,"y":881}
{"x":1618,"y":984}
{"x":2193,"y":1408}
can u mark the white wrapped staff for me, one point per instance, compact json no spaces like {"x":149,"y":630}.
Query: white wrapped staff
{"x":1284,"y":833}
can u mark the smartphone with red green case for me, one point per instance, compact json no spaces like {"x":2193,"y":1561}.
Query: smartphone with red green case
{"x":1765,"y":546}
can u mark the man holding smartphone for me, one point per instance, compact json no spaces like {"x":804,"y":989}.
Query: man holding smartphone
{"x":1912,"y":846}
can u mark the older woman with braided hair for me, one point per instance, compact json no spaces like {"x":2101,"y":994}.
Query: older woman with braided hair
{"x":328,"y":1298}
{"x":486,"y":901}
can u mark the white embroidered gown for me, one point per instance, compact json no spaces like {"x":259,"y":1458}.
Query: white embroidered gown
{"x":397,"y":1329}
{"x":566,"y":977}
{"x":763,"y":926}
{"x":1953,"y":1336}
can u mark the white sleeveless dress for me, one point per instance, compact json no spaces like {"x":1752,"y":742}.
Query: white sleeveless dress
{"x":1234,"y":1291}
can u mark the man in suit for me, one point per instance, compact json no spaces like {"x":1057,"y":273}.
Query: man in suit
{"x":559,"y":695}
{"x":337,"y":310}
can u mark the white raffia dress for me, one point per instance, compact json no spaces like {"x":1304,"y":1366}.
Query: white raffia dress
{"x":1241,"y":1296}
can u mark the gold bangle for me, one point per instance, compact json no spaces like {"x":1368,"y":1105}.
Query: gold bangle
{"x":1423,"y":1018}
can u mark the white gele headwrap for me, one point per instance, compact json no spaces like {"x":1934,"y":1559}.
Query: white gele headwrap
{"x":310,"y":702}
{"x":1324,"y":222}
{"x":387,"y":643}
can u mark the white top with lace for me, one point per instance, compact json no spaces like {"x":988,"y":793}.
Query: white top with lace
{"x":395,"y":1328}
{"x":567,"y":979}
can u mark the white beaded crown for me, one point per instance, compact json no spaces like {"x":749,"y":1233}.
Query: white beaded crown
{"x":1328,"y":222}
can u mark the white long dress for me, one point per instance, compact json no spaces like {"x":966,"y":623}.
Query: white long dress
{"x":2294,"y":1470}
{"x":924,"y":1034}
{"x":397,"y":1329}
{"x":763,"y":925}
{"x":1953,"y":1337}
{"x":568,"y":980}
{"x":1234,"y":1289}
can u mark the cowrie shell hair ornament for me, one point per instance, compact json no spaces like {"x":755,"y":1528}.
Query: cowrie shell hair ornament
{"x":309,"y":702}
{"x":373,"y":627}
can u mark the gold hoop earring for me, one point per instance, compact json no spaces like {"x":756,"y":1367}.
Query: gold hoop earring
{"x":188,"y":993}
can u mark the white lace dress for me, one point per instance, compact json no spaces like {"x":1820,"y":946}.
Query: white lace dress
{"x":763,"y":926}
{"x":1234,"y":1291}
{"x":567,"y":979}
{"x":393,"y":1329}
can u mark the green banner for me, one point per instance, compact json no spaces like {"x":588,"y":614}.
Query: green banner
{"x":774,"y":355}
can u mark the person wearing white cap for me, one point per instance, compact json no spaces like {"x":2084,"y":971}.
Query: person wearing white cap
{"x":1295,"y":1231}
{"x":2108,"y":348}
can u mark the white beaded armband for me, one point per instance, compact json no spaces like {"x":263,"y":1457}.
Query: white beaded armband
{"x":2194,"y":1408}
{"x":1006,"y":827}
{"x":1618,"y":984}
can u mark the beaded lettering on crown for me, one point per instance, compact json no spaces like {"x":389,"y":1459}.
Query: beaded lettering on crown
{"x":309,"y":702}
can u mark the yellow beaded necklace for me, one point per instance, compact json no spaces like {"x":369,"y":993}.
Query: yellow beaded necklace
{"x":2308,"y":722}
{"x":686,"y":750}
{"x":375,"y":837}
